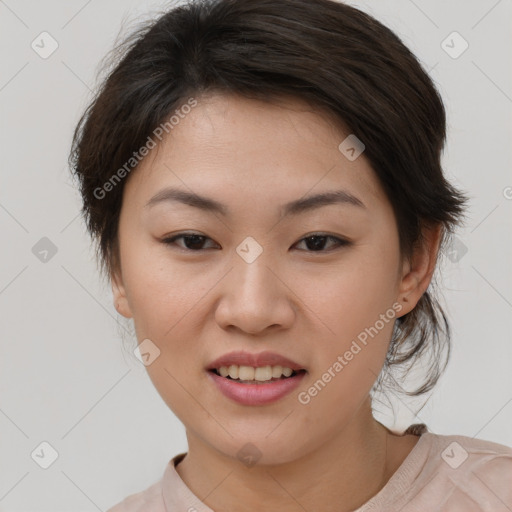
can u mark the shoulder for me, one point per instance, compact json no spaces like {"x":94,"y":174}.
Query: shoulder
{"x":469,"y":471}
{"x":149,"y":500}
{"x":456,"y":450}
{"x":155,"y":497}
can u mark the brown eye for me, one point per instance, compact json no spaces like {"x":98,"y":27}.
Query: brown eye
{"x":194,"y":242}
{"x":317,"y":242}
{"x":191,"y":241}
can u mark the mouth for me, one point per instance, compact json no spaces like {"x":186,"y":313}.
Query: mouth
{"x":249,"y":362}
{"x":255,"y":379}
{"x":257,"y":376}
{"x":256,"y":393}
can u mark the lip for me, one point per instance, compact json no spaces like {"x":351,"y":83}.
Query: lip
{"x":242,"y":358}
{"x":256,"y":394}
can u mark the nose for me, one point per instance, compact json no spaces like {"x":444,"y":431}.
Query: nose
{"x":255,"y":298}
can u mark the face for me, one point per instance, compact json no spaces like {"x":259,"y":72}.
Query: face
{"x":305,"y":282}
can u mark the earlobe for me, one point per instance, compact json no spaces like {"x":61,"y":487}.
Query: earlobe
{"x":418,"y":271}
{"x":119,"y":295}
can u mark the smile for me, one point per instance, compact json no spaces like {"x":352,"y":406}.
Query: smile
{"x":253,"y":391}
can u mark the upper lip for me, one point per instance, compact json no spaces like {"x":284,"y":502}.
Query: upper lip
{"x":242,"y":358}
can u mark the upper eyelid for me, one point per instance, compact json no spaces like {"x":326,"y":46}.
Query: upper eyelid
{"x":315,"y":233}
{"x":186,"y":233}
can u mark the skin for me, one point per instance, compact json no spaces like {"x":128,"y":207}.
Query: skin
{"x":330,"y":454}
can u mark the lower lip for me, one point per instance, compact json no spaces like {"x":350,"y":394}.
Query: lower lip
{"x":256,"y":394}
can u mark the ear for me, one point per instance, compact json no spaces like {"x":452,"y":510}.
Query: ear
{"x":417,"y":272}
{"x":119,"y":293}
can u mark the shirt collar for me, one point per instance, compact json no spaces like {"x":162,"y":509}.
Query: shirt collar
{"x":177,"y":496}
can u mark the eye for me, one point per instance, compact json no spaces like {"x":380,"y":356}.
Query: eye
{"x":317,"y":241}
{"x":195,"y":242}
{"x":192,"y":241}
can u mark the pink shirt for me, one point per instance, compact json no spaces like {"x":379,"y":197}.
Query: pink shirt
{"x":440,"y":474}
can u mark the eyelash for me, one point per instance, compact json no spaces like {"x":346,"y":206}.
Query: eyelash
{"x":341,"y":242}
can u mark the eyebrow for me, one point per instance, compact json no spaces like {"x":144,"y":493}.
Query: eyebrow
{"x":292,"y":208}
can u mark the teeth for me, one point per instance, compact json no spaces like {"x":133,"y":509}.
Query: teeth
{"x":224,"y":371}
{"x":261,"y":373}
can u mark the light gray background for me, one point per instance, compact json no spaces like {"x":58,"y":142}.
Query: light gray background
{"x":64,"y":375}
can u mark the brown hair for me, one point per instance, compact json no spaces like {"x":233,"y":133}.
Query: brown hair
{"x":335,"y":57}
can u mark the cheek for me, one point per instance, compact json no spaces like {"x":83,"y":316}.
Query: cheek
{"x":352,"y":294}
{"x":162,"y":292}
{"x":354,"y":305}
{"x":346,"y":368}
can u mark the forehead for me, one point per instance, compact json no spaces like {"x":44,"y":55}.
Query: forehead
{"x":239,"y":148}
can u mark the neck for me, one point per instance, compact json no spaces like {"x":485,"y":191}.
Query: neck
{"x":340,"y":475}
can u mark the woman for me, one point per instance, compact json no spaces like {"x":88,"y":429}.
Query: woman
{"x":263,"y":179}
